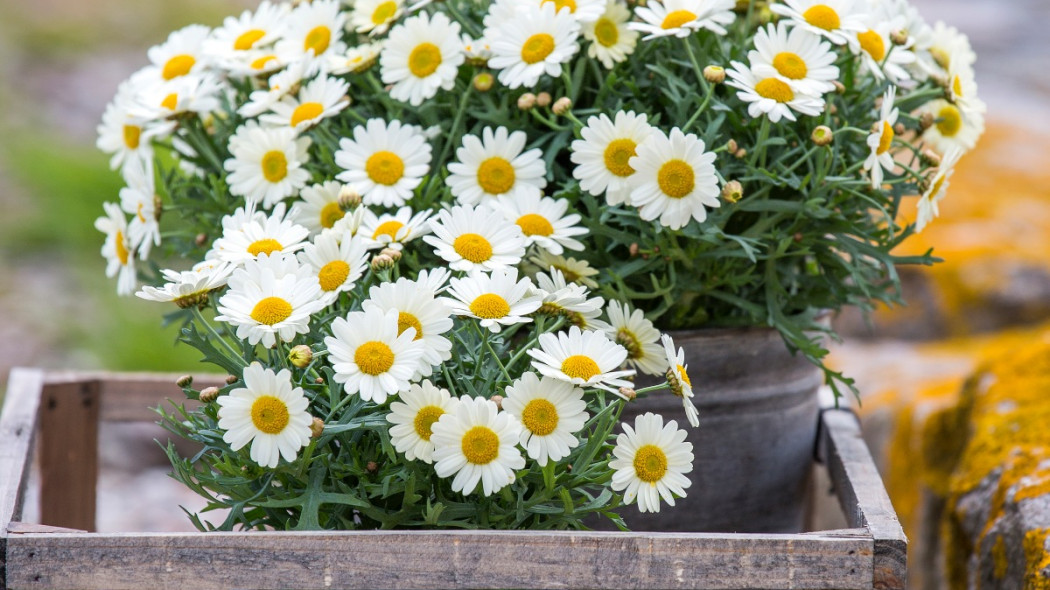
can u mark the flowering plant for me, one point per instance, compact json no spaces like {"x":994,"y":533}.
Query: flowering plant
{"x":409,"y":218}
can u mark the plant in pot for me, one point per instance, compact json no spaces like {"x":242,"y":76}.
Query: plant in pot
{"x":433,"y":243}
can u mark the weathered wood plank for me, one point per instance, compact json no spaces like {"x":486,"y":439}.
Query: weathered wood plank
{"x":863,"y":497}
{"x":17,"y":430}
{"x":131,"y":397}
{"x":440,"y":559}
{"x":69,"y":454}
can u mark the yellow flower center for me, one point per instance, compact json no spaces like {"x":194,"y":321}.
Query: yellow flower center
{"x":306,"y":112}
{"x":388,"y":228}
{"x":333,"y":275}
{"x":170,"y":101}
{"x":425,"y":419}
{"x":180,"y":65}
{"x":261,"y":62}
{"x":247,"y":39}
{"x":936,"y":188}
{"x":269,"y":414}
{"x":122,"y":250}
{"x":790,"y":65}
{"x":606,"y":32}
{"x":941,"y":56}
{"x":330,"y":214}
{"x":685,"y":375}
{"x":374,"y":358}
{"x":317,"y":39}
{"x":132,"y":136}
{"x":264,"y":246}
{"x":580,"y":366}
{"x":559,"y":4}
{"x":886,"y":140}
{"x":496,"y":176}
{"x":385,"y":168}
{"x":536,"y":48}
{"x":822,"y":16}
{"x":650,"y":463}
{"x":490,"y":307}
{"x":677,"y":18}
{"x":775,"y":89}
{"x":383,"y":13}
{"x":628,"y":340}
{"x":676,"y":179}
{"x":872,"y":42}
{"x":405,"y":321}
{"x":540,"y":417}
{"x":424,"y":60}
{"x":532,"y":224}
{"x":957,"y":85}
{"x":271,"y":310}
{"x":274,"y":166}
{"x":480,"y":445}
{"x":473,"y":247}
{"x":617,"y":155}
{"x":949,"y":121}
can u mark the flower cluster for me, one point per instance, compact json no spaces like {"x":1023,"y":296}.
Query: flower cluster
{"x":436,"y":241}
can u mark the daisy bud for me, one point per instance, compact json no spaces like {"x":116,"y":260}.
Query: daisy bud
{"x":797,"y":237}
{"x":300,"y":356}
{"x":833,"y":109}
{"x":184,"y":381}
{"x":200,"y":240}
{"x":394,"y":255}
{"x":840,"y":88}
{"x":316,"y":427}
{"x":158,"y":207}
{"x":740,"y":154}
{"x":543,"y":99}
{"x":231,"y":379}
{"x":633,"y":249}
{"x":899,"y":37}
{"x":822,"y":135}
{"x":319,"y":381}
{"x":498,"y":400}
{"x":628,"y":393}
{"x":926,"y":121}
{"x":526,"y":101}
{"x":208,"y":394}
{"x":930,"y":158}
{"x":349,"y":199}
{"x":733,"y":191}
{"x":372,"y":466}
{"x":562,"y":105}
{"x":715,"y":74}
{"x":382,"y":262}
{"x":731,"y":146}
{"x":899,"y":129}
{"x":483,"y":82}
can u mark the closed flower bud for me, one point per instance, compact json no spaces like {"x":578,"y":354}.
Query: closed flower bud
{"x":208,"y":394}
{"x":372,"y":466}
{"x":319,"y":381}
{"x":544,"y":99}
{"x":740,"y":154}
{"x":231,"y":379}
{"x":184,"y":381}
{"x":899,"y":129}
{"x":498,"y":400}
{"x":840,"y":88}
{"x":562,"y":105}
{"x":483,"y":82}
{"x":382,"y":262}
{"x":158,"y":207}
{"x":715,"y":74}
{"x":526,"y":101}
{"x":394,"y":255}
{"x":926,"y":121}
{"x":300,"y":356}
{"x":633,"y":249}
{"x":731,"y":146}
{"x":930,"y":158}
{"x":628,"y":393}
{"x":316,"y":427}
{"x":822,"y":135}
{"x":899,"y":37}
{"x":349,"y":199}
{"x":200,"y":240}
{"x":733,"y":191}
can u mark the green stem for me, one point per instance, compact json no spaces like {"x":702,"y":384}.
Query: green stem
{"x":211,"y":330}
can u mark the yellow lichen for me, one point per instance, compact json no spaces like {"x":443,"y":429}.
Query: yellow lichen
{"x":999,"y":557}
{"x":1037,"y":560}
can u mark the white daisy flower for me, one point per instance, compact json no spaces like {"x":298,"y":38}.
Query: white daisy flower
{"x":258,"y":235}
{"x":233,"y":225}
{"x":476,"y":442}
{"x":370,"y":357}
{"x":568,"y":300}
{"x":681,"y":18}
{"x":242,"y":36}
{"x":678,"y":379}
{"x":928,"y":204}
{"x":494,"y":165}
{"x":420,"y":57}
{"x":574,"y":271}
{"x":544,"y":222}
{"x":349,"y":225}
{"x":197,"y":94}
{"x":631,"y":330}
{"x":314,"y":29}
{"x":269,"y":298}
{"x":477,"y":51}
{"x":536,"y":42}
{"x":279,"y":85}
{"x":497,"y":299}
{"x":413,"y":419}
{"x":189,"y":287}
{"x":124,"y":135}
{"x":268,"y":413}
{"x":393,"y":230}
{"x":319,"y":208}
{"x":181,"y":54}
{"x":139,"y":199}
{"x":675,"y":179}
{"x":611,"y":38}
{"x":384,"y":162}
{"x":952,"y":126}
{"x":794,"y":56}
{"x":335,"y":264}
{"x":603,"y":156}
{"x":770,"y":95}
{"x":962,"y":88}
{"x":472,"y":238}
{"x":375,"y":16}
{"x":836,"y":20}
{"x":551,"y":412}
{"x":355,"y":60}
{"x":417,"y":307}
{"x":585,"y":358}
{"x":267,"y":164}
{"x":585,"y":11}
{"x":881,"y":140}
{"x":117,"y":250}
{"x":941,"y":47}
{"x":880,"y":55}
{"x":651,"y":462}
{"x":321,"y":98}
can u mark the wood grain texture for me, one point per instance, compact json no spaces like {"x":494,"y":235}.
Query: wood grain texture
{"x":69,"y":454}
{"x":863,"y":497}
{"x":131,"y":397}
{"x":440,"y":559}
{"x":17,"y":430}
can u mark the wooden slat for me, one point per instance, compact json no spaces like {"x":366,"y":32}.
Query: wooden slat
{"x":69,"y":454}
{"x":440,"y":559}
{"x":863,"y":497}
{"x":131,"y":397}
{"x":17,"y":429}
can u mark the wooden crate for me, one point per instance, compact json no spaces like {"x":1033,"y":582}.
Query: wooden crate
{"x":63,"y":410}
